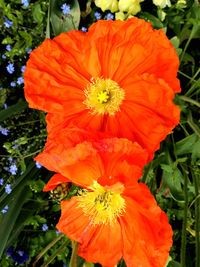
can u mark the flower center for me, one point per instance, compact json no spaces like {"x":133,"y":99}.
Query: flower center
{"x":103,"y":204}
{"x":104,"y":96}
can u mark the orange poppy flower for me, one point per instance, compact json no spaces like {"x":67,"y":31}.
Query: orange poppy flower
{"x":82,"y":156}
{"x":119,"y":77}
{"x":115,"y":218}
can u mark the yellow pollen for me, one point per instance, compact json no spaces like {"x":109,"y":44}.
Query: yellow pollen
{"x":103,"y":205}
{"x":104,"y":96}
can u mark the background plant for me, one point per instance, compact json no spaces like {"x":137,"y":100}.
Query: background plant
{"x":28,"y":216}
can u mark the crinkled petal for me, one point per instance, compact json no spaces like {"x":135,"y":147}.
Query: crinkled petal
{"x":97,"y":243}
{"x":84,"y":156}
{"x":147,"y":235}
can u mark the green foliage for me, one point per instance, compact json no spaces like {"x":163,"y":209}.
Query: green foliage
{"x":173,"y":175}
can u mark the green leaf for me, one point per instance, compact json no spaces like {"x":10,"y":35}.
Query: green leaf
{"x":172,"y":177}
{"x":31,"y":171}
{"x":8,"y":222}
{"x":156,"y":23}
{"x":64,"y":23}
{"x":13,"y":110}
{"x":186,"y":145}
{"x":37,"y":13}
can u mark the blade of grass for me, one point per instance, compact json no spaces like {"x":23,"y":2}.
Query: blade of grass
{"x":7,"y":224}
{"x":13,"y":110}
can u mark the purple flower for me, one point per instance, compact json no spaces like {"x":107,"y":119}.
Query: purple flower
{"x":84,"y":29}
{"x":38,"y":165}
{"x":109,"y":16}
{"x":45,"y":227}
{"x":5,"y":209}
{"x":28,"y":50}
{"x":3,"y":56}
{"x":1,"y":181}
{"x":18,"y":256}
{"x":20,"y":80}
{"x":23,"y":68}
{"x":4,"y":131}
{"x":13,"y":84}
{"x":8,"y":189}
{"x":13,"y":169}
{"x":8,"y":47}
{"x":97,"y":15}
{"x":25,"y":3}
{"x":65,"y":9}
{"x":8,"y":23}
{"x":5,"y":106}
{"x":10,"y":68}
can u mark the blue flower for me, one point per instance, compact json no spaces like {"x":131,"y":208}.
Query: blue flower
{"x":65,"y":9}
{"x":23,"y":68}
{"x":57,"y":232}
{"x":84,"y":29}
{"x":4,"y":131}
{"x":13,"y":84}
{"x":5,"y":209}
{"x":109,"y":16}
{"x":38,"y":165}
{"x":45,"y":227}
{"x":20,"y":80}
{"x":97,"y":15}
{"x":8,"y":189}
{"x":13,"y":169}
{"x":5,"y":106}
{"x":8,"y":47}
{"x":25,"y":3}
{"x":10,"y":68}
{"x":28,"y":50}
{"x":3,"y":56}
{"x":18,"y":256}
{"x":8,"y":23}
{"x":1,"y":181}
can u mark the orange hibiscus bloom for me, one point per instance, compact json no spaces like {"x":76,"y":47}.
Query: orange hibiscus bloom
{"x":77,"y":154}
{"x":115,"y":217}
{"x":119,"y":77}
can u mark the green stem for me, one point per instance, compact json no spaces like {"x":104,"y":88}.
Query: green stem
{"x":185,"y":75}
{"x":184,"y":225}
{"x":190,"y":100}
{"x":193,"y":31}
{"x":48,"y":21}
{"x":73,"y":260}
{"x":197,"y":219}
{"x":50,"y":245}
{"x":193,"y":126}
{"x":195,"y":75}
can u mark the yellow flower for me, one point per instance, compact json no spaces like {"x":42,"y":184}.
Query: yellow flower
{"x":120,"y":16}
{"x":111,"y":5}
{"x":162,"y":3}
{"x":130,"y":6}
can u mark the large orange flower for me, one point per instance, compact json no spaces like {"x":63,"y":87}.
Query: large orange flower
{"x":119,"y":77}
{"x":83,"y":156}
{"x":115,"y":217}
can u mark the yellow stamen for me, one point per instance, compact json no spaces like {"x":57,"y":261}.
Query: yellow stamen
{"x":104,"y":96}
{"x":103,"y":204}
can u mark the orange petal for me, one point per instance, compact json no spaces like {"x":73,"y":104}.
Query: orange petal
{"x":55,"y":180}
{"x":148,"y":113}
{"x":147,"y":235}
{"x":134,"y":47}
{"x":94,"y":245}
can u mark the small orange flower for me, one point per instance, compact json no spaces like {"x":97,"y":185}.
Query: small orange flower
{"x":119,"y":77}
{"x":113,"y":219}
{"x":82,"y":156}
